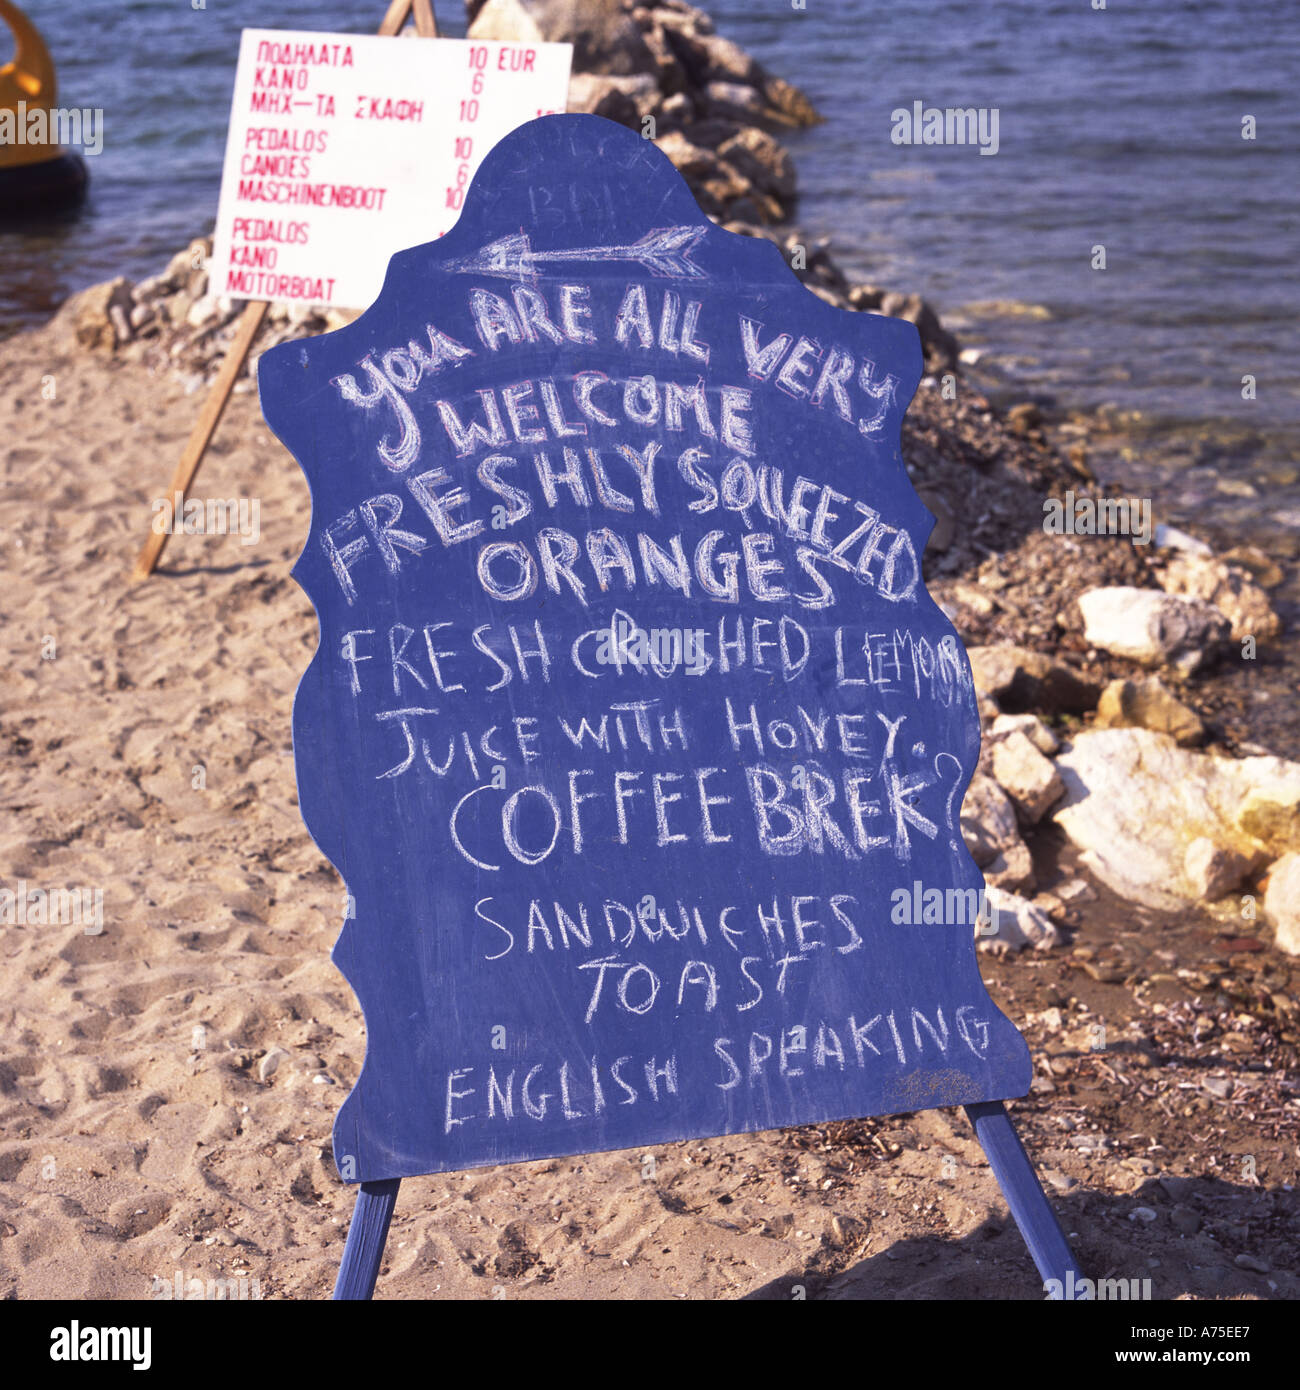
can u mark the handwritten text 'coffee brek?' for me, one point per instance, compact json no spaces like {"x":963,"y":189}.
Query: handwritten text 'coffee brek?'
{"x":345,"y":148}
{"x":531,"y":447}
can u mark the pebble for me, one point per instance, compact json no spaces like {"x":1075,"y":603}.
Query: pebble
{"x":1144,"y":1214}
{"x":266,"y":1068}
{"x":1252,"y":1262}
{"x":1220,"y":1086}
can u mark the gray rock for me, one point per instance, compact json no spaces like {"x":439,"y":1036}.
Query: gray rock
{"x":1026,"y":776}
{"x":692,"y":161}
{"x":1253,"y":1263}
{"x":621,"y":99}
{"x":988,"y":826}
{"x":723,"y":60}
{"x":87,"y":318}
{"x":119,"y":315}
{"x":1152,"y":627}
{"x":940,"y":347}
{"x":1015,"y":923}
{"x":154,"y":287}
{"x":1020,"y":679}
{"x":794,"y":106}
{"x":666,"y":66}
{"x":677,"y":110}
{"x":204,"y":312}
{"x":733,"y":101}
{"x":761,"y":159}
{"x":1031,"y":726}
{"x":1227,"y":588}
{"x":866,"y":298}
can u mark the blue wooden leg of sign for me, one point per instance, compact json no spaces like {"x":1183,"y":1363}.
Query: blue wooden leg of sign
{"x":1024,"y":1193}
{"x":366,"y":1236}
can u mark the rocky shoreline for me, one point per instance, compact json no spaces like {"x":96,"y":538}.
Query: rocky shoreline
{"x":1099,"y":661}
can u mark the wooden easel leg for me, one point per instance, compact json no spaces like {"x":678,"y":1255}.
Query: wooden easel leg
{"x":1014,"y":1171}
{"x":204,"y":428}
{"x":364,"y":1249}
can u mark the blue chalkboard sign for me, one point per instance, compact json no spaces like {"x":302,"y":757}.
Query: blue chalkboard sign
{"x":632,"y":729}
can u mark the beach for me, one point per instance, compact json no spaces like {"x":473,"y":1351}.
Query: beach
{"x":173,"y":1059}
{"x":170,"y":1081}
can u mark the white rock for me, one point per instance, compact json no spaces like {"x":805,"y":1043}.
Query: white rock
{"x":1014,"y":923}
{"x":1026,"y":776}
{"x":1134,"y":801}
{"x":1282,"y":903}
{"x":1171,"y":538}
{"x":1031,"y":726}
{"x":203,"y":311}
{"x":1213,"y":870}
{"x":270,"y":1063}
{"x":121,"y":321}
{"x":1152,"y":627}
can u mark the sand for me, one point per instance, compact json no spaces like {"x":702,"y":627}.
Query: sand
{"x":142,"y":1136}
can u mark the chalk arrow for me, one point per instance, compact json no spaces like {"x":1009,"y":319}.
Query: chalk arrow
{"x":664,"y":251}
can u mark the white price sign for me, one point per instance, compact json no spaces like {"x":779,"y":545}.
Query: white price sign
{"x":346,"y":148}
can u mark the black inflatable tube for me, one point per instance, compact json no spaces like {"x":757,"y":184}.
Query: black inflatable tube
{"x":50,"y":186}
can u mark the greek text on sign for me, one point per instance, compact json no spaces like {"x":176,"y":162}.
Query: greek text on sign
{"x":345,"y":148}
{"x":632,"y":728}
